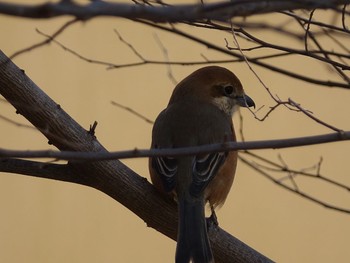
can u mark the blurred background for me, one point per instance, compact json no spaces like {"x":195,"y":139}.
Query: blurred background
{"x":50,"y":221}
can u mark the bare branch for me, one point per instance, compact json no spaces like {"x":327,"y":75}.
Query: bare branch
{"x":338,"y":67}
{"x":273,"y":166}
{"x":238,"y":57}
{"x":294,"y":51}
{"x":220,"y":11}
{"x":46,"y":41}
{"x":316,"y":23}
{"x":327,"y":83}
{"x":343,"y":17}
{"x":291,"y":174}
{"x":132,"y":111}
{"x":62,"y":172}
{"x":74,"y":52}
{"x":129,"y":45}
{"x":141,"y":153}
{"x":18,"y":124}
{"x":293,"y":103}
{"x":166,"y":57}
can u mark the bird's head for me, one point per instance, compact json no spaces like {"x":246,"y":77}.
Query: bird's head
{"x":215,"y":85}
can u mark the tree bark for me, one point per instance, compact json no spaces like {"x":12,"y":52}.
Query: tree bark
{"x":220,"y":11}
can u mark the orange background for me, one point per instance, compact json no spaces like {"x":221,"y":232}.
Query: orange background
{"x":48,"y":221}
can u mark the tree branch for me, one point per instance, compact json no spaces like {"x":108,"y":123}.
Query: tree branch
{"x":255,"y":61}
{"x":111,"y":177}
{"x":220,"y":11}
{"x":209,"y":148}
{"x":269,"y":166}
{"x":340,"y":66}
{"x":61,"y":172}
{"x":46,"y":41}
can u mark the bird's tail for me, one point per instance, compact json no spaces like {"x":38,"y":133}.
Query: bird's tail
{"x":192,"y":240}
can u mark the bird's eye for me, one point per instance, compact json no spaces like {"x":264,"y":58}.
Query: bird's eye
{"x":228,"y":90}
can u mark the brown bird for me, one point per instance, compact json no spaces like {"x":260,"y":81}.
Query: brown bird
{"x":199,"y":112}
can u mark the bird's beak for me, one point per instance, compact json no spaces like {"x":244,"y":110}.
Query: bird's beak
{"x":245,"y":101}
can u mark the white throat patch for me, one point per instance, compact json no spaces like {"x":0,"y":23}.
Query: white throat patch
{"x":225,"y":104}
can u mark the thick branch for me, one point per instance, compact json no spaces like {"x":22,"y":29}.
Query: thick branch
{"x":110,"y":177}
{"x":163,"y":13}
{"x":62,"y":172}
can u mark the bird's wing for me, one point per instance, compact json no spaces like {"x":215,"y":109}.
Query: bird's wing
{"x":204,"y":169}
{"x":166,"y":167}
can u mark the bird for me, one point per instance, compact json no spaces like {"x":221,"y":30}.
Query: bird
{"x":199,"y":112}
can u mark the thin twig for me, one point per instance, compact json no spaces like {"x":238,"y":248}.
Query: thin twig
{"x":166,"y":57}
{"x":210,"y":45}
{"x":343,"y":17}
{"x":132,"y":111}
{"x":308,"y":30}
{"x":275,"y":167}
{"x":131,"y":47}
{"x":202,"y":149}
{"x":46,"y":41}
{"x":336,"y":66}
{"x":291,"y":189}
{"x":18,"y":124}
{"x":307,"y":113}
